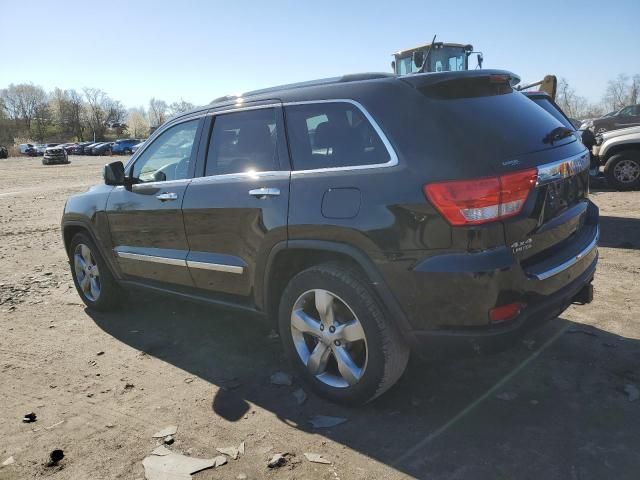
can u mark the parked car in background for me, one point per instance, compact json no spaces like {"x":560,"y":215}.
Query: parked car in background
{"x":69,"y":147}
{"x":23,"y":147}
{"x":37,"y":149}
{"x":4,"y":152}
{"x":82,"y":147}
{"x":135,"y":148}
{"x":619,"y":152}
{"x":626,"y":117}
{"x":364,"y":227}
{"x":88,"y":150}
{"x":55,"y":155}
{"x":124,"y":146}
{"x":102,"y":148}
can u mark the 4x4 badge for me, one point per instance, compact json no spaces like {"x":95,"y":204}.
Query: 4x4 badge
{"x":518,"y":247}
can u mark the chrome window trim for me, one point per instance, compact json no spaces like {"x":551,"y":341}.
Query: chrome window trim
{"x":151,"y":258}
{"x":163,"y":128}
{"x":273,"y":174}
{"x":564,"y":168}
{"x":569,"y":263}
{"x":240,"y":108}
{"x":393,"y":157}
{"x":165,"y":183}
{"x":216,"y":267}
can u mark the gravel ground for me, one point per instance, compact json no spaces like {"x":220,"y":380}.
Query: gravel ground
{"x":553,"y":407}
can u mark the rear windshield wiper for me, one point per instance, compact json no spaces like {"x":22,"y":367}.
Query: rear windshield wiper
{"x":557,"y":134}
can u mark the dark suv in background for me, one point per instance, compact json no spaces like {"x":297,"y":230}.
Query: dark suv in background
{"x":626,"y":117}
{"x":365,"y":216}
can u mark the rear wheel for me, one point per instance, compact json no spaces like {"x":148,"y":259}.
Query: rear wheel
{"x":338,"y":337}
{"x":93,"y":279}
{"x":623,"y":170}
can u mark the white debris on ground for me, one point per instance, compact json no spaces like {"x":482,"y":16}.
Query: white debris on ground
{"x":324,"y":421}
{"x":316,"y":458}
{"x":166,"y":431}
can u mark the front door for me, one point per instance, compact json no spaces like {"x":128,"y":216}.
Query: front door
{"x":145,"y":219}
{"x":237,"y":209}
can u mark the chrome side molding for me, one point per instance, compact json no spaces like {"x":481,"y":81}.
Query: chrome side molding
{"x":216,"y":267}
{"x":179,"y":262}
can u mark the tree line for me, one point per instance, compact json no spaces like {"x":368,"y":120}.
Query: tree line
{"x":622,"y":91}
{"x":28,"y":113}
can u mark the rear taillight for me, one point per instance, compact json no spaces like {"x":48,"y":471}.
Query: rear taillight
{"x":482,"y":200}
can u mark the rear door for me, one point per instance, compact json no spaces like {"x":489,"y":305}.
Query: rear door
{"x":147,"y":228}
{"x":236,"y":210}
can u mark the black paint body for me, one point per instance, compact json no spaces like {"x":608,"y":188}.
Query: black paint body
{"x":436,"y":280}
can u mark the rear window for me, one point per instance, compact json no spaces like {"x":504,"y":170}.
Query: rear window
{"x":328,"y":135}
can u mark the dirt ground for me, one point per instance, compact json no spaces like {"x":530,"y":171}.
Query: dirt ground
{"x":553,"y":407}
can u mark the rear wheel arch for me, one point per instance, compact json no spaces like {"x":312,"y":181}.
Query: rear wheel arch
{"x":287,"y":259}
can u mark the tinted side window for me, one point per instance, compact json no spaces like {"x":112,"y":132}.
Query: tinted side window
{"x":553,"y":110}
{"x":325,"y":135}
{"x":168,"y":157}
{"x":243,"y":142}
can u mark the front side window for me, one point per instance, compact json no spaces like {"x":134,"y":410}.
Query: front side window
{"x":243,"y":142}
{"x":168,"y":157}
{"x":327,"y":135}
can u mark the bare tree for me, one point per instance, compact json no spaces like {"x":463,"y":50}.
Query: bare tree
{"x":569,"y":101}
{"x":157,"y":112}
{"x":137,"y":124}
{"x":21,"y":102}
{"x":101,"y":111}
{"x":622,"y":91}
{"x":180,"y":107}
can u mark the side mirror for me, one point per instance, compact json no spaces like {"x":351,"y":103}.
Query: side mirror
{"x":113,"y":173}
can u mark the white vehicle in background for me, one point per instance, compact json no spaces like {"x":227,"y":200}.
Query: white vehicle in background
{"x":619,"y":152}
{"x":136,"y":147}
{"x":24,"y":147}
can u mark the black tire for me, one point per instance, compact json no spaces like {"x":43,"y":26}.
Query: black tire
{"x":110,"y":296}
{"x":614,"y":172}
{"x":387,"y":353}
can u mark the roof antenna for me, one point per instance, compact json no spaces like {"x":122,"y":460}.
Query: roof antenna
{"x":426,"y":55}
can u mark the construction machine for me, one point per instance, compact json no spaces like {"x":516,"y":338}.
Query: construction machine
{"x":434,"y":57}
{"x":452,"y":57}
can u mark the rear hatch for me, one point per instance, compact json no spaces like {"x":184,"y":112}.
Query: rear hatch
{"x":498,"y":132}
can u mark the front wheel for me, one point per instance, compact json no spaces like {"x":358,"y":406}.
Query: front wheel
{"x":337,"y":336}
{"x":91,"y":275}
{"x":623,"y":170}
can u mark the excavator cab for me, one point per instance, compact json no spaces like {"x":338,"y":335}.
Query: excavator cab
{"x":434,"y":57}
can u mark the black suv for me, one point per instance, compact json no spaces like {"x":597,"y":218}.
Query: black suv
{"x":365,"y":216}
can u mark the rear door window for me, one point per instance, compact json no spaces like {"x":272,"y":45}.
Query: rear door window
{"x":329,"y":135}
{"x":243,"y":142}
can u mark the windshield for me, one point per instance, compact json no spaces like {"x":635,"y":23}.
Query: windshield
{"x":443,"y":59}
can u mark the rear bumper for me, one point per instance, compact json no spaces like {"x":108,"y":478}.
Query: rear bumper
{"x":447,"y":297}
{"x":499,"y":337}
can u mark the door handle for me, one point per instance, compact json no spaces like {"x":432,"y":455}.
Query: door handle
{"x":264,"y":192}
{"x":167,"y":196}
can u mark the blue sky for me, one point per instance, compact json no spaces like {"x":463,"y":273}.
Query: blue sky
{"x":198,"y":50}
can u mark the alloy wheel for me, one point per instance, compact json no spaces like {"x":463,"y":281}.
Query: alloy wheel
{"x":87,"y":273}
{"x":627,"y":171}
{"x":329,"y":338}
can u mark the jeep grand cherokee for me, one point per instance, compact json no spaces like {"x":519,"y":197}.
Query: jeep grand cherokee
{"x":366,"y":216}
